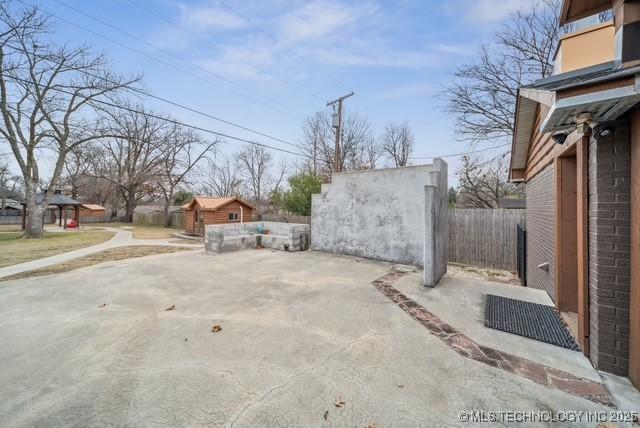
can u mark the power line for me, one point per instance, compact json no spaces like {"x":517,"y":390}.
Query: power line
{"x":161,"y":61}
{"x":275,"y":39}
{"x":209,"y":131}
{"x":176,"y":104}
{"x":177,"y":122}
{"x":171,"y":54}
{"x":461,"y":154}
{"x":169,"y":120}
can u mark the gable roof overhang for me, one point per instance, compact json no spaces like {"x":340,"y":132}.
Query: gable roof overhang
{"x":573,"y":10}
{"x":526,"y":110}
{"x":605,"y":92}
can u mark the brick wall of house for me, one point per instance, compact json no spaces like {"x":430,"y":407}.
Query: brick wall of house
{"x":541,"y":230}
{"x":609,"y":251}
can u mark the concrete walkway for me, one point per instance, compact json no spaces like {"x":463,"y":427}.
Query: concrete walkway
{"x":122,"y":238}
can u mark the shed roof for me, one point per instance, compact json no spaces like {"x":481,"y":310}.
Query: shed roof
{"x":93,"y":207}
{"x":212,"y":204}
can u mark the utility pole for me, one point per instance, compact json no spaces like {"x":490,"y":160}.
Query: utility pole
{"x":337,"y":124}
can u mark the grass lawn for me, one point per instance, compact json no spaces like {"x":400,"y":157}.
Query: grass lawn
{"x":141,"y":231}
{"x":10,"y":228}
{"x":109,"y":255}
{"x":14,"y":249}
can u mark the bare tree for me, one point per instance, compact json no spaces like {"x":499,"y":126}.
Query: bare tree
{"x":483,"y":95}
{"x":280,"y":175}
{"x":397,"y":143}
{"x":370,"y":154}
{"x":482,"y":182}
{"x":318,"y":143}
{"x":221,"y":179}
{"x":76,"y":167}
{"x":356,"y":133}
{"x":184,"y":150}
{"x":255,"y":162}
{"x":46,"y":95}
{"x":315,"y":135}
{"x":134,"y":155}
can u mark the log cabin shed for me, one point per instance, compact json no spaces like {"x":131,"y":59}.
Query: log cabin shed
{"x":203,"y":210}
{"x":576,"y":145}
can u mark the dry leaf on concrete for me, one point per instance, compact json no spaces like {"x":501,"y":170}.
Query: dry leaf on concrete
{"x":326,"y":415}
{"x":171,"y":308}
{"x":102,"y":305}
{"x":340,"y":402}
{"x":216,"y":328}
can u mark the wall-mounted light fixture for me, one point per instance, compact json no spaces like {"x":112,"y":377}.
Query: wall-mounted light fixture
{"x":600,"y":131}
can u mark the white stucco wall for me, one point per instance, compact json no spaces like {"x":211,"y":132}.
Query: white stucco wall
{"x":379,"y":214}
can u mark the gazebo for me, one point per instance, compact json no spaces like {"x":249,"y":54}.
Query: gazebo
{"x":63,"y":202}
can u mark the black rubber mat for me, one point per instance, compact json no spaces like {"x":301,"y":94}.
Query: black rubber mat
{"x":532,"y":320}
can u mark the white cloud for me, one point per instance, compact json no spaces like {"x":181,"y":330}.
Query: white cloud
{"x":320,"y":19}
{"x":312,"y":38}
{"x":381,"y":57}
{"x":248,"y":62}
{"x":451,"y":49}
{"x":487,"y":11}
{"x":210,"y":18}
{"x":401,"y":92}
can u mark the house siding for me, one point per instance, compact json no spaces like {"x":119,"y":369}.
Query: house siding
{"x":610,"y":251}
{"x":541,"y":230}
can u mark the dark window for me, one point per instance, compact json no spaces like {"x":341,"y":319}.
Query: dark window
{"x":195,"y":216}
{"x":234,"y":217}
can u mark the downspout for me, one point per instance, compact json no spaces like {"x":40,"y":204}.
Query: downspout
{"x":241,"y":215}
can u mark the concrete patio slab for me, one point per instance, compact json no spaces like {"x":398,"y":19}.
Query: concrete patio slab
{"x":300,"y":331}
{"x":460,"y":302}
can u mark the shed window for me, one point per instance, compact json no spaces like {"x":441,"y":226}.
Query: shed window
{"x":195,"y":216}
{"x":234,"y":217}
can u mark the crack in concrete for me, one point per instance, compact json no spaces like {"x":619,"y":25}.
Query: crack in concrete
{"x":238,"y":415}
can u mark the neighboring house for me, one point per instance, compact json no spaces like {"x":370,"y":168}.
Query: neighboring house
{"x":202,"y":211}
{"x":92,"y":210}
{"x":11,"y":207}
{"x":577,"y":146}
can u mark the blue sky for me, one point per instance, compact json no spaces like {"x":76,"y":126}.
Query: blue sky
{"x":288,"y":57}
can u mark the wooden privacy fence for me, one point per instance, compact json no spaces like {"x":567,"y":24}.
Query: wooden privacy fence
{"x":286,"y":218}
{"x":485,"y":237}
{"x":156,"y":218}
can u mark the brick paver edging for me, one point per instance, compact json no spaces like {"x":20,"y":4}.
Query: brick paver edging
{"x":466,"y":347}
